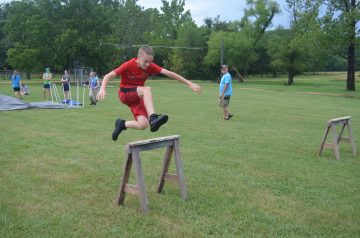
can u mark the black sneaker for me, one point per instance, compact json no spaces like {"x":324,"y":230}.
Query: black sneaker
{"x":156,"y":121}
{"x":119,"y":127}
{"x":229,"y":116}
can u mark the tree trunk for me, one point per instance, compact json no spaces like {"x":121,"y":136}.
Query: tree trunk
{"x":290,"y":77}
{"x":350,"y":82}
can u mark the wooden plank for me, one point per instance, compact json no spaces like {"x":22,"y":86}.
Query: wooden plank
{"x":154,"y":140}
{"x":329,"y":146}
{"x":339,"y":119}
{"x":346,"y":139}
{"x":155,"y":145}
{"x":171,"y":178}
{"x":130,"y":188}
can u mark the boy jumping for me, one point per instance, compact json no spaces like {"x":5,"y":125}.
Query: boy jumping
{"x":135,"y":95}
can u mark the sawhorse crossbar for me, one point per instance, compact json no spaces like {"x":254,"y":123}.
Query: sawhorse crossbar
{"x":133,"y":150}
{"x":344,"y":121}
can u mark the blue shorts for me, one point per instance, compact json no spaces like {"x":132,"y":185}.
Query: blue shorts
{"x":16,"y":89}
{"x":66,"y":87}
{"x":46,"y":85}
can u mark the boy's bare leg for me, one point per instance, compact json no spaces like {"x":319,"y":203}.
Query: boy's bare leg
{"x":121,"y":125}
{"x":140,"y":124}
{"x":146,"y":95}
{"x":155,"y":120}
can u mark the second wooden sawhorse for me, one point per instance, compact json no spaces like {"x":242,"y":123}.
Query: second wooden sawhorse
{"x":133,"y":149}
{"x":331,"y":124}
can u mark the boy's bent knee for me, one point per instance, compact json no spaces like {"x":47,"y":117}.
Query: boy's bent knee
{"x":142,"y":123}
{"x":143,"y":126}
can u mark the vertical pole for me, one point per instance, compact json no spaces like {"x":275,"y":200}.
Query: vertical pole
{"x":221,"y":54}
{"x":83,"y":95}
{"x":52,"y":97}
{"x":77,"y":94}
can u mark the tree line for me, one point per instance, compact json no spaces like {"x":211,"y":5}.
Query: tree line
{"x":102,"y":34}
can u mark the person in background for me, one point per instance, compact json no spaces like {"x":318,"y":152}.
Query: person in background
{"x":225,"y":91}
{"x":24,"y":89}
{"x":94,"y":86}
{"x":47,"y":76}
{"x":65,"y":80}
{"x":135,"y":95}
{"x":16,"y":84}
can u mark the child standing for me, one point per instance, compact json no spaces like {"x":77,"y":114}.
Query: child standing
{"x":65,"y":80}
{"x":16,"y":82}
{"x":93,"y":87}
{"x":47,"y":76}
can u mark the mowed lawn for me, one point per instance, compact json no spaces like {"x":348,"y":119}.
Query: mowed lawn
{"x":256,"y":175}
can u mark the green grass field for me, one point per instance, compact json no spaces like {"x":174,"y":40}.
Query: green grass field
{"x":256,"y":175}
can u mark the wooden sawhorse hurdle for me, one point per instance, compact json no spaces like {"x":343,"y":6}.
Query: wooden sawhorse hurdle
{"x":133,"y":150}
{"x":344,"y":121}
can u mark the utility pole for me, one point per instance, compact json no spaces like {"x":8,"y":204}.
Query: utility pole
{"x":221,"y":54}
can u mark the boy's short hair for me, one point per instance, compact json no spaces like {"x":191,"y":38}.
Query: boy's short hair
{"x":146,"y":49}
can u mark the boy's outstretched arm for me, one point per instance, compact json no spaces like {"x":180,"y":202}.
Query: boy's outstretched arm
{"x":196,"y":88}
{"x":102,"y":93}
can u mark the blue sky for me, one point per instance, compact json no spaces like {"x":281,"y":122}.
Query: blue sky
{"x":229,"y":10}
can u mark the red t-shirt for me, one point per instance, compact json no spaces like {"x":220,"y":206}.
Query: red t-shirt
{"x":132,"y":75}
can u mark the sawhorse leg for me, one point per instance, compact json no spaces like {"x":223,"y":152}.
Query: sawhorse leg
{"x":335,"y":142}
{"x":140,"y":188}
{"x":351,"y":139}
{"x":179,"y":176}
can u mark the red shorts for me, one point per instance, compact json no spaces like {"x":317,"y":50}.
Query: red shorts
{"x":134,"y":102}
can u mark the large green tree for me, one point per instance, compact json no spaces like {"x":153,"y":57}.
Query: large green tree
{"x":258,"y":17}
{"x":57,"y":33}
{"x":240,"y":38}
{"x":285,"y":53}
{"x":188,"y":58}
{"x":334,"y":27}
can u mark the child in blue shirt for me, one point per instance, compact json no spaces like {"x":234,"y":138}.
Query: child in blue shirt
{"x":93,"y":87}
{"x":16,"y":84}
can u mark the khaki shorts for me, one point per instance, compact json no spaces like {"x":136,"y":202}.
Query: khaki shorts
{"x":225,"y":102}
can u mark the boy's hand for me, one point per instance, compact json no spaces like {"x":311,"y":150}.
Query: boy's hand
{"x":196,"y":88}
{"x":101,"y":95}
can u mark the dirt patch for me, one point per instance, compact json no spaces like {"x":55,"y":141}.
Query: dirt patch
{"x":329,"y":94}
